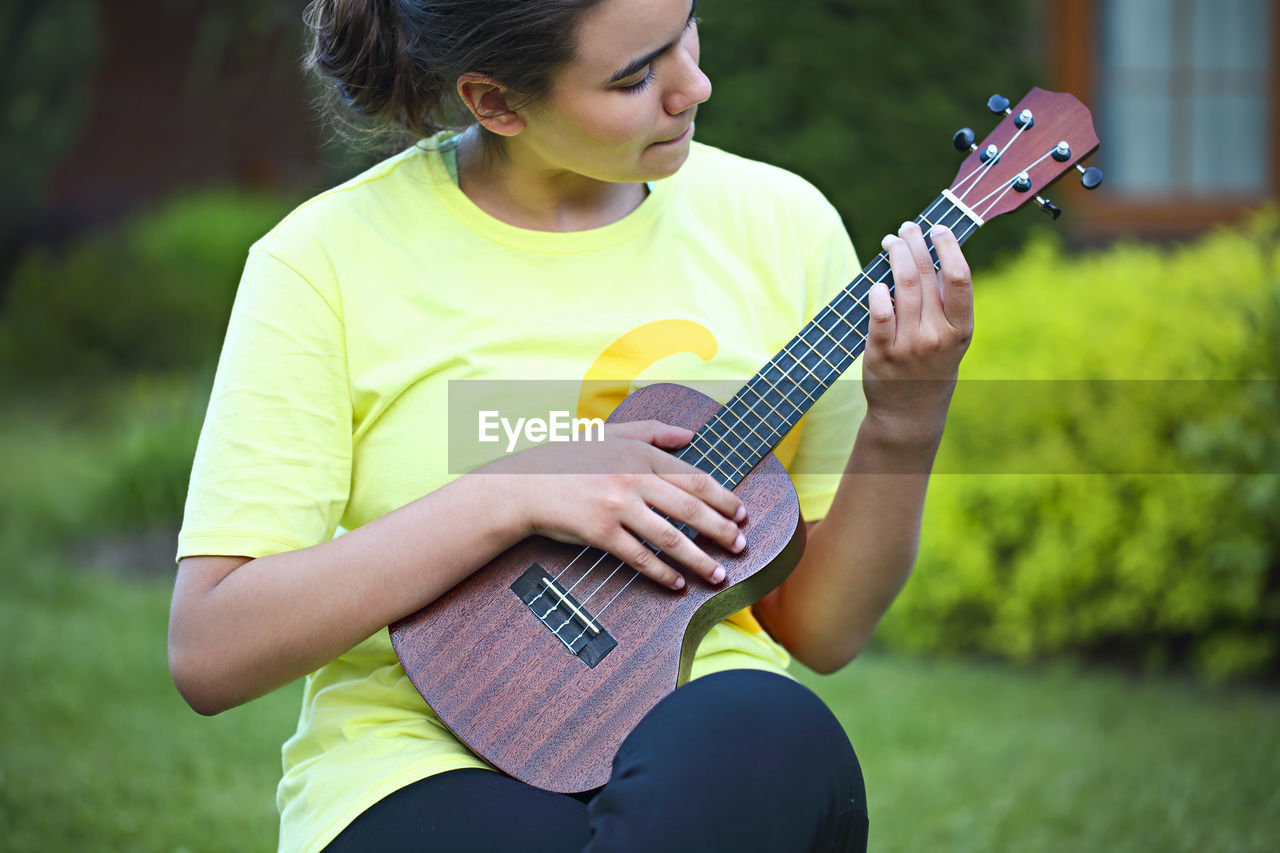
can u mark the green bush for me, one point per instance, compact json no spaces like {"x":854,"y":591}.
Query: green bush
{"x":1110,"y":476}
{"x":110,"y":461}
{"x":153,"y":295}
{"x":142,"y":483}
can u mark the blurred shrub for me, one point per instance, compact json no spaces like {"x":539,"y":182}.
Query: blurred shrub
{"x":1115,"y":463}
{"x":862,"y":96}
{"x":154,"y":294}
{"x":114,"y":459}
{"x":142,"y":481}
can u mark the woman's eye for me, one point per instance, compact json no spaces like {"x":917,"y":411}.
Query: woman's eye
{"x":642,"y":84}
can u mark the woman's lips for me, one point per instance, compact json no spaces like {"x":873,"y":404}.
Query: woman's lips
{"x":688,"y":130}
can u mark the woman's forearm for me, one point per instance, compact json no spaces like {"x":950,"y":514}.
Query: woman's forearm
{"x":858,"y":557}
{"x":861,"y":554}
{"x":239,"y":629}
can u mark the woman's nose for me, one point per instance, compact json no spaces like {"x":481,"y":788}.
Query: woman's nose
{"x":692,"y":88}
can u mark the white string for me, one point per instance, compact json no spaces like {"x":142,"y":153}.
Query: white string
{"x":983,"y":166}
{"x":1005,"y":190}
{"x":534,"y":600}
{"x":991,"y":162}
{"x":852,"y":327}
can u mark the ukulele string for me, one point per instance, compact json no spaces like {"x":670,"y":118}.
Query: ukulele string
{"x":1005,"y":189}
{"x":839,"y":342}
{"x":881,"y":260}
{"x":553,"y":606}
{"x":852,"y":327}
{"x":836,"y":369}
{"x":983,"y":166}
{"x":986,"y":167}
{"x":1002,"y":188}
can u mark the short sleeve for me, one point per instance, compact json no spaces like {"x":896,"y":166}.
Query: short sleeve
{"x":832,"y":423}
{"x":272,"y":469}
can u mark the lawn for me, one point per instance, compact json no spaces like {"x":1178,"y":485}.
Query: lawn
{"x":100,"y":753}
{"x":961,"y":756}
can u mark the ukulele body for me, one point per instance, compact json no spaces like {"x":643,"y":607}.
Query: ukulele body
{"x":518,"y":695}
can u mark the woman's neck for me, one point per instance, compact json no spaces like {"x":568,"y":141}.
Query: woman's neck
{"x":520,"y":193}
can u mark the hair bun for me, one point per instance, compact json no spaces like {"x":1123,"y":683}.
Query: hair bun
{"x":394,"y":63}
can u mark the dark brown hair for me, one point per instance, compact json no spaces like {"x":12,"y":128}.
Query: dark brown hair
{"x":393,"y":65}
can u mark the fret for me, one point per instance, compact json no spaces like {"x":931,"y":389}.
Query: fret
{"x":749,"y":438}
{"x":780,"y":379}
{"x":813,"y":347}
{"x":769,"y":430}
{"x":786,"y":410}
{"x":734,"y":469}
{"x":827,"y":333}
{"x":751,"y":447}
{"x":793,"y":380}
{"x":703,"y":458}
{"x":750,"y":388}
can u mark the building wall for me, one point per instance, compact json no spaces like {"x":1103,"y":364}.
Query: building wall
{"x":187,"y":95}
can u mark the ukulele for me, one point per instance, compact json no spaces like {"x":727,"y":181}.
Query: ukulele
{"x":543,"y":660}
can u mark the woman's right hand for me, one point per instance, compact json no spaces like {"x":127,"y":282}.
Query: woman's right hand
{"x":611,"y":494}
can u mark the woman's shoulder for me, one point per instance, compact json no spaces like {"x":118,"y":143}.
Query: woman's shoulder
{"x":380,"y":198}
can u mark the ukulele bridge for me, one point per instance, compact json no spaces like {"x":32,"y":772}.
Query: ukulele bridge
{"x":563,"y":616}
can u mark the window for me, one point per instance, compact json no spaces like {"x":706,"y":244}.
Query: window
{"x":1184,"y":98}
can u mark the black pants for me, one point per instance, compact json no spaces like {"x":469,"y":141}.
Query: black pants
{"x":735,"y":761}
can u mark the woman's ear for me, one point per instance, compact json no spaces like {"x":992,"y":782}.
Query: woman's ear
{"x":486,"y":98}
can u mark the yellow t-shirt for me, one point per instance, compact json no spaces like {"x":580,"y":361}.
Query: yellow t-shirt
{"x":354,"y":314}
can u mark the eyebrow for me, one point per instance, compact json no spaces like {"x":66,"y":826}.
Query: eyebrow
{"x":636,"y":65}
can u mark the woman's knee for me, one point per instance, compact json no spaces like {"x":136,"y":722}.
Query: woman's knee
{"x":763,"y":757}
{"x":778,"y":722}
{"x":768,"y":707}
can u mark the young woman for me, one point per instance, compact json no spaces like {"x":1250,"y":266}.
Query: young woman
{"x":573,"y":229}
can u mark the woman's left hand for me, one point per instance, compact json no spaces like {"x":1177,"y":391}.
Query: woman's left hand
{"x":917,"y":338}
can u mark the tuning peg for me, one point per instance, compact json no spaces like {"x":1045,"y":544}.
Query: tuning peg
{"x":1049,"y":207}
{"x":998,"y":104}
{"x":963,"y":140}
{"x":1090,"y":177}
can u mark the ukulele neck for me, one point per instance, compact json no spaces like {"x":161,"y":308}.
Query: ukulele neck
{"x":766,"y":408}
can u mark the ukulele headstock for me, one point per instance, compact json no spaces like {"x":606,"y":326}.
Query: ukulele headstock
{"x":1045,"y":135}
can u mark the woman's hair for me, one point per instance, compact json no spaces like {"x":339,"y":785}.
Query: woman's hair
{"x":393,"y":65}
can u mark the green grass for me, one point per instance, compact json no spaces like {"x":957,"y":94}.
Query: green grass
{"x":960,"y":756}
{"x":100,"y":753}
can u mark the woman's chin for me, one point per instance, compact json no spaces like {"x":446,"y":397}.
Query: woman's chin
{"x":665,"y":161}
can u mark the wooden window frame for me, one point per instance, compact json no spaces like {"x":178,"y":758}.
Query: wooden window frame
{"x":1099,"y":215}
